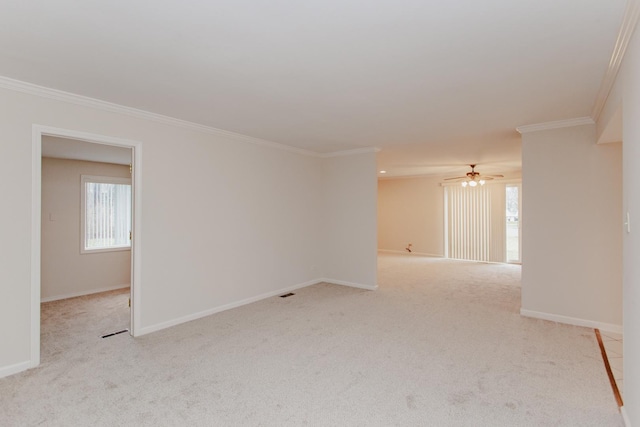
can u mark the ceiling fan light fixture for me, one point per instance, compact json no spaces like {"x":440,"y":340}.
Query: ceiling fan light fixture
{"x":473,"y":178}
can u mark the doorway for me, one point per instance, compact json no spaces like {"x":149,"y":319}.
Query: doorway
{"x":98,"y":145}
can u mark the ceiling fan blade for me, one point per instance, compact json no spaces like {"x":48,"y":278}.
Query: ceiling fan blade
{"x":474,"y":176}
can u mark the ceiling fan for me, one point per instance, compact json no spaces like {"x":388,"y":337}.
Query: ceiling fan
{"x":474,"y":178}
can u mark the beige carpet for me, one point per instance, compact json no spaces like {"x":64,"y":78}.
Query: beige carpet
{"x":441,"y":343}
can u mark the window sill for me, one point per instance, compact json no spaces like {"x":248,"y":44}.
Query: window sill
{"x":103,"y":250}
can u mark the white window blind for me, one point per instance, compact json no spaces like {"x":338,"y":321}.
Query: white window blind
{"x":475,"y":222}
{"x":106,"y":215}
{"x":469,"y":227}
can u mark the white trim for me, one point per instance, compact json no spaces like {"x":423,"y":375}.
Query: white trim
{"x":58,"y":95}
{"x":629,"y":23}
{"x":85,"y":101}
{"x":393,"y":251}
{"x":209,"y":312}
{"x":350,"y":284}
{"x":607,"y":327}
{"x":85,"y":136}
{"x":83,"y":293}
{"x":84,"y":251}
{"x":136,"y":244}
{"x":625,"y":416}
{"x":36,"y":232}
{"x":580,"y":121}
{"x":36,"y":191}
{"x":14,"y":369}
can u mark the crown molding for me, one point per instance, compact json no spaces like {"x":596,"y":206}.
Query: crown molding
{"x":350,"y":152}
{"x":72,"y":98}
{"x":579,"y":121}
{"x":627,"y":27}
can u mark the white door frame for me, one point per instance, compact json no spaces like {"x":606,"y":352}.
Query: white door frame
{"x":38,"y":132}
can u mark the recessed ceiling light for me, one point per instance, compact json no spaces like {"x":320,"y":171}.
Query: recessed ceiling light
{"x":383,"y":171}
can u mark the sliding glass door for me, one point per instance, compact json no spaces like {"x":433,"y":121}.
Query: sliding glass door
{"x":484,"y":223}
{"x":513,"y":223}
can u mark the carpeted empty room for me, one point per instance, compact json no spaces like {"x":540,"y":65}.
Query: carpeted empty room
{"x":440,"y":343}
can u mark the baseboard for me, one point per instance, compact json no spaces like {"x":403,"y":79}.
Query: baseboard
{"x":350,"y":284}
{"x":608,"y":327}
{"x":625,"y":417}
{"x":209,"y":312}
{"x":393,"y":251}
{"x":83,"y":293}
{"x":14,"y":369}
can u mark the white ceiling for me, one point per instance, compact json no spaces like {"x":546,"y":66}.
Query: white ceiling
{"x":64,"y":148}
{"x":435,"y":84}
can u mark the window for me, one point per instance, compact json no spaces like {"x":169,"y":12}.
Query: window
{"x":513,"y":223}
{"x":106,"y":214}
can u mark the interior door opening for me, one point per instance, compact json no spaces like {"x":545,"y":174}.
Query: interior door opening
{"x":86,"y":237}
{"x":82,"y":147}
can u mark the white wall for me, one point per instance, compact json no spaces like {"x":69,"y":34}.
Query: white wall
{"x":571,"y":243}
{"x":498,"y":249}
{"x":223,"y":220}
{"x":411,"y":210}
{"x":350,"y":219}
{"x":65,"y":271}
{"x":630,"y":80}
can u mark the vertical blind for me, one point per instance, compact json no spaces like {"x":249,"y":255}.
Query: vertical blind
{"x":107,"y":215}
{"x":475,"y":222}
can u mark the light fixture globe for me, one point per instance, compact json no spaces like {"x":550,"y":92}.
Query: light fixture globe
{"x":473,"y":178}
